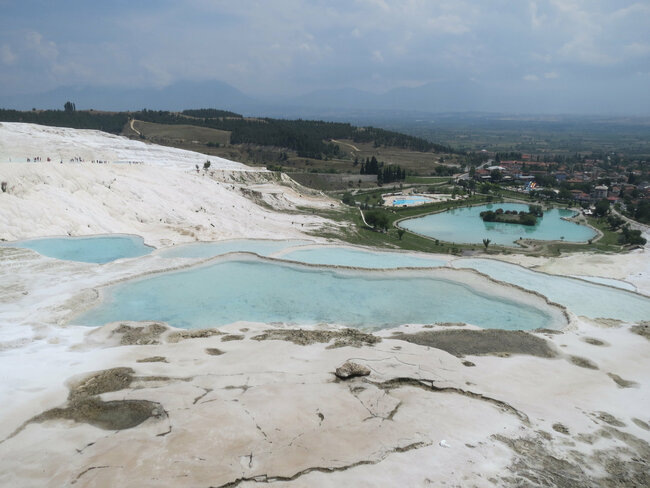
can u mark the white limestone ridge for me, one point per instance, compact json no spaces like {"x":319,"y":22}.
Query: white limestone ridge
{"x":153,"y":191}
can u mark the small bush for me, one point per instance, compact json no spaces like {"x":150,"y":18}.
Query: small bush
{"x":377,"y":219}
{"x":348,"y":199}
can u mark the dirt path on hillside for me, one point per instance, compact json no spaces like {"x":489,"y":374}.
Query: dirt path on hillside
{"x":347,"y":144}
{"x":133,"y":128}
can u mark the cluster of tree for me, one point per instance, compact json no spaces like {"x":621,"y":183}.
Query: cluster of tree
{"x":509,"y":217}
{"x":377,"y":219}
{"x":615,"y":222}
{"x":628,"y":236}
{"x":487,"y":187}
{"x":496,"y":175}
{"x":382,"y":137}
{"x":385,"y":173}
{"x":631,"y":237}
{"x":639,"y":211}
{"x":107,"y":122}
{"x":370,"y":166}
{"x":390,"y":173}
{"x":468,"y":185}
{"x":507,"y":156}
{"x":441,"y":170}
{"x":348,"y":199}
{"x":602,"y":207}
{"x":547,"y":193}
{"x":474,"y":159}
{"x":211,"y":113}
{"x":547,"y":181}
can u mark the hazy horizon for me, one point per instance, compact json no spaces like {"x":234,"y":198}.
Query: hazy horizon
{"x":545,"y":56}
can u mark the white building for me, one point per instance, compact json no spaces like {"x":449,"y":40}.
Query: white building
{"x":600,"y":192}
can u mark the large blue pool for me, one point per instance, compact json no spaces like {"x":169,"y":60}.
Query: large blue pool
{"x":465,"y":225}
{"x":252,"y":289}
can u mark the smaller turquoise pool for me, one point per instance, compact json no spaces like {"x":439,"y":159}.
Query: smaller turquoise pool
{"x":411,"y":201}
{"x":95,"y":249}
{"x":581,"y":297}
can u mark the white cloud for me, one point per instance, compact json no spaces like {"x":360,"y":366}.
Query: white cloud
{"x":377,"y":56}
{"x":584,"y":49}
{"x":636,"y":9}
{"x":448,"y":24}
{"x":551,"y":75}
{"x":6,"y":54}
{"x":545,"y":58}
{"x":380,"y":4}
{"x":537,"y":20}
{"x":46,"y":49}
{"x":531,"y":78}
{"x":637,"y":49}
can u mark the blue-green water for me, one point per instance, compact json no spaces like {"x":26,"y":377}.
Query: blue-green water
{"x":359,"y":258}
{"x":582,"y":298}
{"x":464,"y":225}
{"x":96,"y":249}
{"x":263,"y":247}
{"x":410,"y":201}
{"x":256,"y":290}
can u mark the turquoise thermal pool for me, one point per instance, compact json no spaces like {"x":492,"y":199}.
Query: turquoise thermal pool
{"x":246,"y":288}
{"x":96,"y":249}
{"x":411,"y":201}
{"x":359,"y":258}
{"x":263,"y":247}
{"x":581,"y":297}
{"x":464,"y":225}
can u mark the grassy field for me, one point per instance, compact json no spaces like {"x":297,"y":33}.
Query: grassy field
{"x":190,"y":134}
{"x":194,"y":138}
{"x":422,"y":163}
{"x":427,"y":180}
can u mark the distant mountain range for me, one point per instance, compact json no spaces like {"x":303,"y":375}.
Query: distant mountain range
{"x":175,"y":97}
{"x":432,"y":98}
{"x":336,"y":104}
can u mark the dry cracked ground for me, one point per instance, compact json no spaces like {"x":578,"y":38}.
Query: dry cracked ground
{"x":250,"y":405}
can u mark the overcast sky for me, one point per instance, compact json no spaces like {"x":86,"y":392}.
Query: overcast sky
{"x":596,"y":49}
